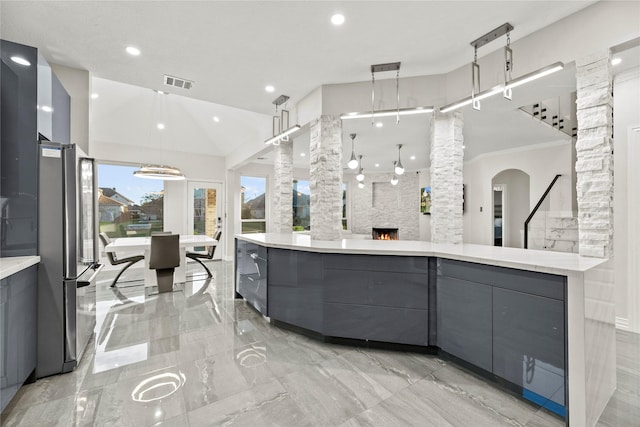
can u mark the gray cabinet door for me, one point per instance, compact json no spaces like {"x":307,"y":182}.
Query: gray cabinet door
{"x":464,"y":320}
{"x":385,"y":324}
{"x":251,"y":274}
{"x":528,"y":343}
{"x":18,"y":331}
{"x":295,"y":289}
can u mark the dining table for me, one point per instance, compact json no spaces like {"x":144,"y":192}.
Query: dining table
{"x":131,"y":245}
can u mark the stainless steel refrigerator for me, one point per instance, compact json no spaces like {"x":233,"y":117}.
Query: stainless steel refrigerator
{"x":68,"y":252}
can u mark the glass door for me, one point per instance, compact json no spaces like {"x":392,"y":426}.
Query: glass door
{"x":205,"y":210}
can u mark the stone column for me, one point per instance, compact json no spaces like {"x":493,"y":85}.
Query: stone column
{"x":594,"y":159}
{"x":282,"y":208}
{"x":325,"y":161}
{"x":446,"y":177}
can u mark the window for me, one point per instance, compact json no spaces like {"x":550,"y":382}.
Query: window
{"x":128,"y":206}
{"x":252,"y":204}
{"x":301,"y":205}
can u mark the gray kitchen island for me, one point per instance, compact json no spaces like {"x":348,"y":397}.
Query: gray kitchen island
{"x":538,"y":323}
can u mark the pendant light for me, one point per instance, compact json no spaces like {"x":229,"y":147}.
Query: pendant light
{"x":394,"y":178}
{"x":398,"y":168}
{"x":159,"y":171}
{"x":360,"y":176}
{"x":353,"y":163}
{"x":361,"y":185}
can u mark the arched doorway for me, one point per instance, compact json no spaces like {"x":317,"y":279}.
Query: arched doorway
{"x":510,"y":190}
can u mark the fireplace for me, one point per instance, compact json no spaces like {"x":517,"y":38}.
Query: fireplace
{"x":384,"y":233}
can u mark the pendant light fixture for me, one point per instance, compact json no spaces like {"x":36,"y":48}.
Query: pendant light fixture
{"x":397,"y":166}
{"x":280,"y":127}
{"x":353,"y":163}
{"x":360,"y":176}
{"x":378,"y":68}
{"x":361,"y":185}
{"x":163,"y":172}
{"x":394,"y":177}
{"x":509,"y":83}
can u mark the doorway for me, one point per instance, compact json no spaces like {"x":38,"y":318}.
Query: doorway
{"x":205,"y":210}
{"x":499,"y":192}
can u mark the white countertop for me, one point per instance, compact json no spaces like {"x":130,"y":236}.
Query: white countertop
{"x":142,"y":243}
{"x":12,"y":265}
{"x":523,"y":259}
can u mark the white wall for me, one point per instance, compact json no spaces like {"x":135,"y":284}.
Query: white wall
{"x":541,"y":162}
{"x":77,"y":83}
{"x":626,"y":241}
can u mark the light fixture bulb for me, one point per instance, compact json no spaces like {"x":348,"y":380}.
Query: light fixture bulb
{"x":394,"y":180}
{"x":361,"y":185}
{"x":353,"y":163}
{"x":133,"y":51}
{"x":160,"y":126}
{"x":337,"y":19}
{"x":398,"y":168}
{"x":216,"y":119}
{"x":269,"y":88}
{"x":20,"y":60}
{"x":360,"y":176}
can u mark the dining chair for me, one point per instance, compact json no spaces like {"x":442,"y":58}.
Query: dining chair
{"x":114,"y":260}
{"x":164,"y":257}
{"x":197,"y":256}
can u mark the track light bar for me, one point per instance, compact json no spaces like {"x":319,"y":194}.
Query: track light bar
{"x":387,"y":113}
{"x":518,"y":81}
{"x":282,"y":135}
{"x":545,"y":71}
{"x":468,"y":100}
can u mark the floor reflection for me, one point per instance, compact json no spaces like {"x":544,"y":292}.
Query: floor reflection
{"x":200,"y":357}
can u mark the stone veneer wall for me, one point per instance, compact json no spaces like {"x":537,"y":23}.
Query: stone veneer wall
{"x":325,"y":170}
{"x":594,"y":165}
{"x":446,"y":177}
{"x":388,"y":206}
{"x":282,"y":200}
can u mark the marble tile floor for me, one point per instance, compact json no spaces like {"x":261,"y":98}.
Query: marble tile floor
{"x":199,"y":357}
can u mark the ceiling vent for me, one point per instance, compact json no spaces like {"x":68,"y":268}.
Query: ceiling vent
{"x":177,"y":82}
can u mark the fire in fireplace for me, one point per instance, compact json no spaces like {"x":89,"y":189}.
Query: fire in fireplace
{"x":384,"y":233}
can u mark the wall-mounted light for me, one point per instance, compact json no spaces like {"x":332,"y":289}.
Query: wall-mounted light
{"x":397,"y":167}
{"x":353,"y":162}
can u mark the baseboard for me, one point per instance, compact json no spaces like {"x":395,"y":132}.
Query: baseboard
{"x":622,"y":323}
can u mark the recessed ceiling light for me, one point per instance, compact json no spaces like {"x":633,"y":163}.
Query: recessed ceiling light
{"x":161,"y":92}
{"x":412,"y":157}
{"x":269,"y":88}
{"x":47,"y":109}
{"x":20,"y":60}
{"x":216,"y":119}
{"x":337,"y":19}
{"x":134,"y":51}
{"x":377,"y":165}
{"x":95,"y":96}
{"x":379,"y":124}
{"x":160,"y":126}
{"x":614,"y":61}
{"x":302,"y":154}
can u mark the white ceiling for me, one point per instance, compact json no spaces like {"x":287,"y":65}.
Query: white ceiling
{"x":232,"y":49}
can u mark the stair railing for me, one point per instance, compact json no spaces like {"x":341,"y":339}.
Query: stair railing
{"x":535,"y":209}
